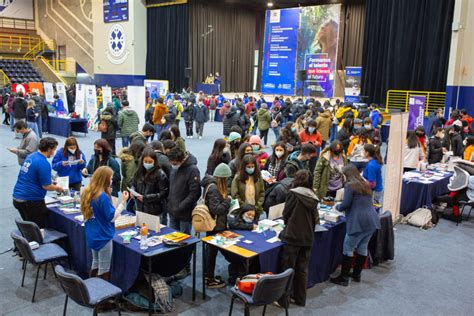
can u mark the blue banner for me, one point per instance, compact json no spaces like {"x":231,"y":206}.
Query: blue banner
{"x":280,"y":50}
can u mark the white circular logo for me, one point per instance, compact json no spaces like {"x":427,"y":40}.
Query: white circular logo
{"x":117,"y":40}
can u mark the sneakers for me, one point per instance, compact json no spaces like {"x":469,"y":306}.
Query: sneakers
{"x":214,"y":283}
{"x":200,"y":137}
{"x":183,"y":273}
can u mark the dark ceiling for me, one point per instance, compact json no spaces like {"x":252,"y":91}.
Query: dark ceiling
{"x":259,"y":5}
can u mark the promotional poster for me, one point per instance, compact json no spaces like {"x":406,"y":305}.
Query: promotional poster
{"x":416,"y":111}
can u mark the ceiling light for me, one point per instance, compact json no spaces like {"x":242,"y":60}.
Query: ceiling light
{"x":270,"y":4}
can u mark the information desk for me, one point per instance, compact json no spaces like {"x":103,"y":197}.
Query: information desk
{"x":326,"y":253}
{"x":126,"y":258}
{"x":65,"y":126}
{"x":207,"y":88}
{"x":416,"y":194}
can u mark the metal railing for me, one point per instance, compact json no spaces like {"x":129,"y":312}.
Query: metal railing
{"x":398,"y":100}
{"x":4,"y":78}
{"x":41,"y":46}
{"x":48,"y":64}
{"x":68,"y":65}
{"x":18,"y":43}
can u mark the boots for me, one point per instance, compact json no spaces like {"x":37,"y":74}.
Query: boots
{"x":359,"y":264}
{"x":93,"y":273}
{"x":343,"y":278}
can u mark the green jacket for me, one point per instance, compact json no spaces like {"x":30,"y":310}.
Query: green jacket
{"x":128,"y":122}
{"x":129,"y":168}
{"x":322,"y":173}
{"x":264,"y":119}
{"x":238,"y":192}
{"x":180,"y":143}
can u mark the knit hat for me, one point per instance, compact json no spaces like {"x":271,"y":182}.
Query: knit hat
{"x":255,"y":140}
{"x":222,"y":171}
{"x":234,"y":136}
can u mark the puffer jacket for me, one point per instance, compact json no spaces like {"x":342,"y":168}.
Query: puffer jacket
{"x":129,"y":168}
{"x":230,"y":119}
{"x":109,"y":117}
{"x":293,"y":165}
{"x":264,"y":119}
{"x":324,"y":122}
{"x":322,"y":173}
{"x":218,"y":206}
{"x":189,"y":113}
{"x":155,"y":188}
{"x":128,"y":122}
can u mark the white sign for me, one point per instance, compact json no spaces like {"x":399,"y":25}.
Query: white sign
{"x":80,"y":104}
{"x":48,"y":91}
{"x":116,"y":52}
{"x":61,"y":91}
{"x":136,"y":98}
{"x":91,"y":101}
{"x":106,"y":95}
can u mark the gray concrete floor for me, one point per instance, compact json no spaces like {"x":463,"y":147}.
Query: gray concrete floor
{"x":432,"y":273}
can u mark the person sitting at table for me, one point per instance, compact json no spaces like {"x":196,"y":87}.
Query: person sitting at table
{"x":361,"y":223}
{"x":69,"y":161}
{"x":129,"y":158}
{"x":99,"y":216}
{"x":102,"y":157}
{"x":356,"y":146}
{"x":373,"y":172}
{"x":58,"y":105}
{"x":300,"y":216}
{"x":414,"y":154}
{"x":34,"y":179}
{"x":151,"y":183}
{"x":247,"y":185}
{"x":469,"y":149}
{"x":209,"y":79}
{"x":218,"y":201}
{"x":436,"y":148}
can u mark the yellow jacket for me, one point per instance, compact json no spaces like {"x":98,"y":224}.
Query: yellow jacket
{"x":356,"y":140}
{"x":468,"y":153}
{"x":341,"y":111}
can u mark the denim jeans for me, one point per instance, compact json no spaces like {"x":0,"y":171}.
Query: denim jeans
{"x":182,"y":226}
{"x":357,"y":242}
{"x":44,"y":124}
{"x":212,"y":115}
{"x":33,"y":126}
{"x":158,"y":129}
{"x":12,"y":121}
{"x":39,"y":126}
{"x":276,"y":131}
{"x":101,"y":259}
{"x":125,"y":141}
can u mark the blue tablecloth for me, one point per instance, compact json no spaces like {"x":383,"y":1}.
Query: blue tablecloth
{"x":417,"y":194}
{"x":126,"y":258}
{"x":207,"y":88}
{"x":326,"y":253}
{"x":64,"y":126}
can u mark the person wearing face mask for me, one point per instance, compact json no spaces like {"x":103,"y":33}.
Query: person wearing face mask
{"x":345,"y":133}
{"x":323,"y":123}
{"x":102,"y":157}
{"x":372,"y":133}
{"x":276,"y":117}
{"x":289,"y":136}
{"x":356,"y":147}
{"x":453,"y":140}
{"x":469,"y":149}
{"x":151,"y":183}
{"x":244,"y":149}
{"x":436,"y":148}
{"x":264,"y":120}
{"x":69,"y":161}
{"x":260,"y":155}
{"x":176,"y":137}
{"x":299,"y":160}
{"x":275,"y":164}
{"x":328,"y":172}
{"x":420,"y":133}
{"x":220,"y":154}
{"x":130,"y":157}
{"x":248,"y":186}
{"x":34,"y":179}
{"x":28,"y":144}
{"x":311,"y":135}
{"x":234,"y":140}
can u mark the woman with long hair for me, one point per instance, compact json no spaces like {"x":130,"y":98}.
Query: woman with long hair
{"x":276,"y":162}
{"x":345,"y":133}
{"x":247,"y":185}
{"x":99,"y":216}
{"x":129,"y":157}
{"x":361,"y":223}
{"x":176,"y":136}
{"x":373,"y":171}
{"x":414,"y":153}
{"x":220,"y":154}
{"x":151,"y":183}
{"x":356,"y":148}
{"x":69,"y":161}
{"x":216,"y":196}
{"x":103,"y":157}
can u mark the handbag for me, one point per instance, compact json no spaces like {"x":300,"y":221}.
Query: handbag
{"x":421,"y":218}
{"x":103,"y":126}
{"x":202,"y":219}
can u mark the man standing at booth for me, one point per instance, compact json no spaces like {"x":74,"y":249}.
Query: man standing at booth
{"x":33,"y":181}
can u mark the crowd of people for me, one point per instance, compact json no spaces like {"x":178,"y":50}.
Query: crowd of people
{"x":309,"y":163}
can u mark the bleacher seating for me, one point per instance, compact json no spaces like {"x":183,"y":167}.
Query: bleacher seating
{"x":20,"y":71}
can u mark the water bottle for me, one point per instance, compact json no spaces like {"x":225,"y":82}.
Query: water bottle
{"x":143,"y":237}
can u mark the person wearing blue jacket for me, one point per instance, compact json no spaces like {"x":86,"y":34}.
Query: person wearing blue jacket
{"x":361,"y":223}
{"x":58,"y":104}
{"x":99,"y":216}
{"x":69,"y":162}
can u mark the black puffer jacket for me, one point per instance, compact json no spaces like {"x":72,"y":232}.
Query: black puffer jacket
{"x":230,"y":119}
{"x":218,"y":206}
{"x":300,"y":215}
{"x":110,"y":118}
{"x":435,"y":150}
{"x":185,"y":189}
{"x":19,"y":108}
{"x":276,"y":194}
{"x":155,"y":188}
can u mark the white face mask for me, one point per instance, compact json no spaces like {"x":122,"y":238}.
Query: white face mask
{"x":368,"y":126}
{"x":72,"y":152}
{"x":279,"y":154}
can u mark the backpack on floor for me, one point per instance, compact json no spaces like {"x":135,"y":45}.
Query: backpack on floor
{"x":202,"y":219}
{"x":420,"y":218}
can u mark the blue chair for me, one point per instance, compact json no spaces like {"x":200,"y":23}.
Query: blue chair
{"x":46,"y":253}
{"x":32,"y":232}
{"x":89,"y":293}
{"x":268,"y":289}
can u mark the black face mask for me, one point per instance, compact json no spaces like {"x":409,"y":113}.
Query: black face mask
{"x":97,"y":152}
{"x":420,"y":134}
{"x":337,"y":152}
